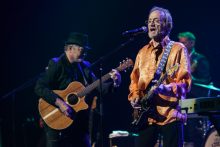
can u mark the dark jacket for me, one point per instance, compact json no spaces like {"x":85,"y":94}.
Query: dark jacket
{"x":59,"y":74}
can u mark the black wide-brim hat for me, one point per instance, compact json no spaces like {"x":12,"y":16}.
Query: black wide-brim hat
{"x":79,"y":39}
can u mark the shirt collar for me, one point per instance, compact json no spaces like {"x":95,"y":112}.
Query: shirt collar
{"x":163,"y":43}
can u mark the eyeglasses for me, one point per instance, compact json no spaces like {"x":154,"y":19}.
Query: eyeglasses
{"x":155,"y":21}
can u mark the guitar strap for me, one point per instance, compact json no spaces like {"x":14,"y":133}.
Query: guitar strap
{"x":163,"y":62}
{"x":157,"y":75}
{"x":83,"y":74}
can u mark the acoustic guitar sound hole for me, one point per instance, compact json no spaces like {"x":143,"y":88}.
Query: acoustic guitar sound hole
{"x":72,"y":99}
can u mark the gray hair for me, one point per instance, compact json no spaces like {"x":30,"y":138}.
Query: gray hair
{"x":167,"y":18}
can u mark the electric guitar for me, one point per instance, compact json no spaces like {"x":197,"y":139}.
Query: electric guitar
{"x":74,"y":96}
{"x":146,"y":109}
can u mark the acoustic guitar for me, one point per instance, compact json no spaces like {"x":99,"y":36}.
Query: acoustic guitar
{"x":74,"y":96}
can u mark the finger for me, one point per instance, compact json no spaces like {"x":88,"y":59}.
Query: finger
{"x":136,"y":106}
{"x":114,"y":70}
{"x":136,"y":101}
{"x":62,"y":110}
{"x":111,"y":75}
{"x":132,"y":103}
{"x":65,"y":113}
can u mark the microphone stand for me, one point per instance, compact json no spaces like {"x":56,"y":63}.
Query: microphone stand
{"x":101,"y":106}
{"x":103,"y":58}
{"x":100,"y":60}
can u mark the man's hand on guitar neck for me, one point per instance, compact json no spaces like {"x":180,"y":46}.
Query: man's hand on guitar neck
{"x":65,"y":108}
{"x":164,"y":90}
{"x":116,"y":77}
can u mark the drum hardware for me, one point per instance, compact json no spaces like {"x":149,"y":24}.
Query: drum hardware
{"x":212,"y":138}
{"x":210,"y":86}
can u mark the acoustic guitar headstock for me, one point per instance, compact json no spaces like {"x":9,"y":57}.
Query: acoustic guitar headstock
{"x":125,"y":64}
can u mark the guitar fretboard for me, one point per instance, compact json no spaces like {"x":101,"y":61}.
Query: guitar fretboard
{"x":94,"y":85}
{"x":151,"y":91}
{"x":104,"y":78}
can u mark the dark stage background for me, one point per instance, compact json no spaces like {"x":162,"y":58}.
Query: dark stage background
{"x":35,"y":31}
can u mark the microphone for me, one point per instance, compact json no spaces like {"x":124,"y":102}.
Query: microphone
{"x":134,"y":32}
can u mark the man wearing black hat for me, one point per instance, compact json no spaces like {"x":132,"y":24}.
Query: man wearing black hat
{"x":60,"y":73}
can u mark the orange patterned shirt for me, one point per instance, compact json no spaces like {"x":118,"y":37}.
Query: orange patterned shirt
{"x":146,"y":64}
